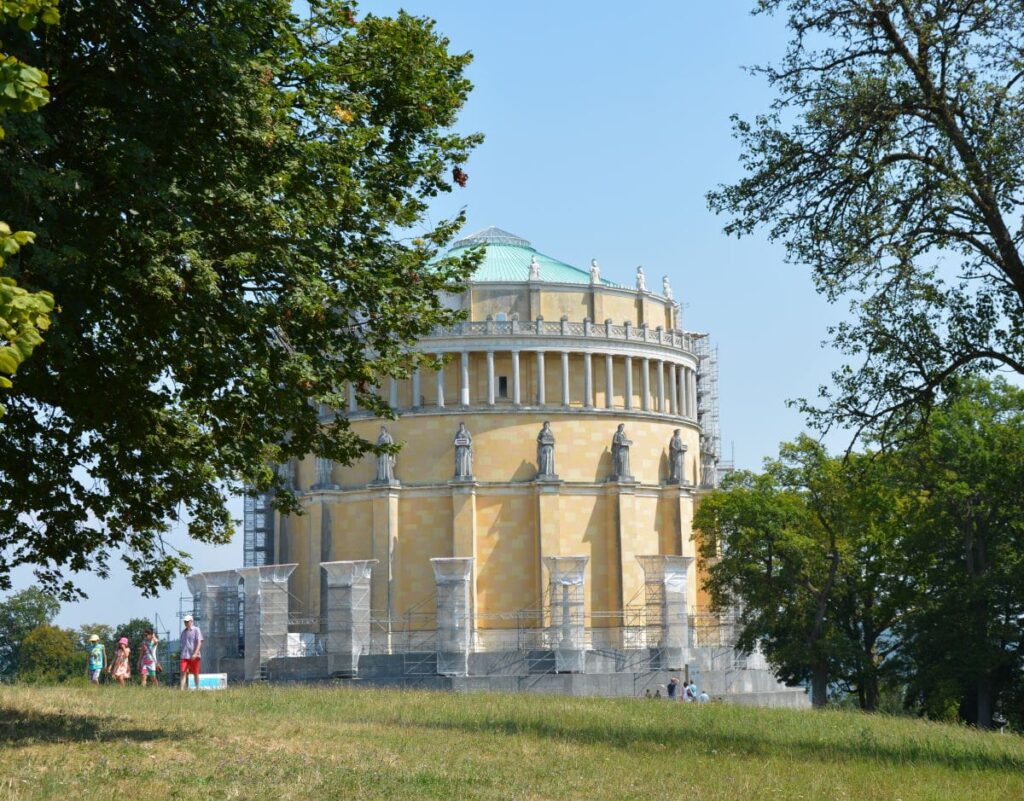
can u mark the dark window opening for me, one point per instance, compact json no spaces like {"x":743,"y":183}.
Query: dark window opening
{"x":503,"y":386}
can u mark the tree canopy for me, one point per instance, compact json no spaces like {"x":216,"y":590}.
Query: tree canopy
{"x":805,"y":552}
{"x":20,"y":613}
{"x":891,"y":164}
{"x":230,"y":203}
{"x":899,"y":568}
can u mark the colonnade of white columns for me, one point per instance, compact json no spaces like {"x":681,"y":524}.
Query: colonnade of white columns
{"x":675,"y":384}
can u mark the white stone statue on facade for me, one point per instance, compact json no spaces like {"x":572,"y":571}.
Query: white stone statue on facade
{"x":676,"y":455}
{"x":666,"y":287}
{"x":324,"y":468}
{"x":385,"y":461}
{"x":595,"y":272}
{"x":534,"y":269}
{"x":641,"y":281}
{"x":286,"y":472}
{"x":620,"y":454}
{"x":546,"y":452}
{"x":463,"y":454}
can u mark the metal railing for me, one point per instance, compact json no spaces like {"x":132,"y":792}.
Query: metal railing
{"x":642,"y":333}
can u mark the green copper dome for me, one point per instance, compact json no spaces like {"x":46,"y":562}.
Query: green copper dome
{"x":507,"y":259}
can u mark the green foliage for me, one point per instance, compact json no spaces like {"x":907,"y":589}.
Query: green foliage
{"x":805,"y":550}
{"x":894,"y":571}
{"x":230,"y":203}
{"x":23,"y":314}
{"x":891,"y":164}
{"x":133,"y":630}
{"x":101,"y":630}
{"x":963,"y":634}
{"x":23,"y":88}
{"x":21,"y":613}
{"x":48,"y":655}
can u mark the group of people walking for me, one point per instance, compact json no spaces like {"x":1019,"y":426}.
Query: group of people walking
{"x":688,"y":692}
{"x":120,"y":666}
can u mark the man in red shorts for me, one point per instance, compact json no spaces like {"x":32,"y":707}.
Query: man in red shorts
{"x":191,"y":645}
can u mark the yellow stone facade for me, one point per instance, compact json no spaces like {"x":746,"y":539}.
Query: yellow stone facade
{"x":585,"y":356}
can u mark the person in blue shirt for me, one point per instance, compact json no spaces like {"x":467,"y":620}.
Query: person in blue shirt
{"x":97,"y":659}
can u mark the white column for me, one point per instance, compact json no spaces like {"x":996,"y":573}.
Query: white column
{"x":629,"y":382}
{"x":490,"y":378}
{"x":540,"y":378}
{"x":684,"y":410}
{"x":416,"y":388}
{"x":659,"y":402}
{"x":673,"y":389}
{"x":565,"y":378}
{"x":515,"y":378}
{"x":464,"y":380}
{"x":393,"y":393}
{"x":352,"y":405}
{"x":645,"y":384}
{"x":440,"y":385}
{"x":588,"y":382}
{"x":609,"y":382}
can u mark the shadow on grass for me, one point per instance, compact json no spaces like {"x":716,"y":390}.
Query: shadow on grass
{"x":769,"y":744}
{"x":20,"y":728}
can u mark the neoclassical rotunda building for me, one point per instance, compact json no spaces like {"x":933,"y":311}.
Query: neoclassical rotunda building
{"x":545,"y":345}
{"x":541,"y":502}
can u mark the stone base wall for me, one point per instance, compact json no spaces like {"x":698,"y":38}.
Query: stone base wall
{"x":608,"y":673}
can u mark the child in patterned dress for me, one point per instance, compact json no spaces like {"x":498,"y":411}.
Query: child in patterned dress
{"x":120,"y":668}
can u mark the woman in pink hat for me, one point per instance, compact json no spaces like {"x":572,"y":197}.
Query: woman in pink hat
{"x":120,"y":668}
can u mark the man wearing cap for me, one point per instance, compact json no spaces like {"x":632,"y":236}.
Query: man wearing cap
{"x":191,"y":645}
{"x":97,"y":659}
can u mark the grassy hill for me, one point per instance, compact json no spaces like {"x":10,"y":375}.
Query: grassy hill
{"x":269,"y":742}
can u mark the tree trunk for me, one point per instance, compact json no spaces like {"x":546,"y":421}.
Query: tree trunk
{"x":869,"y":691}
{"x":819,"y":687}
{"x":984,"y":702}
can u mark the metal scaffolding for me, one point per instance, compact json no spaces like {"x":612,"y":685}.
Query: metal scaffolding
{"x":454,"y":614}
{"x":266,"y":616}
{"x":568,"y":625}
{"x":258,"y":530}
{"x":347,"y":622}
{"x":707,"y":411}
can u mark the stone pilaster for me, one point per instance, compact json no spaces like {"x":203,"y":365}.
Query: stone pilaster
{"x":464,"y":529}
{"x":384,"y":539}
{"x":548,"y":527}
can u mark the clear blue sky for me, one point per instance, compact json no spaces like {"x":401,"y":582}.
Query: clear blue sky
{"x":606,"y":123}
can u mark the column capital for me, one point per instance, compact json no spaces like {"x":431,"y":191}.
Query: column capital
{"x":453,"y":569}
{"x":267,"y":574}
{"x":346,"y":573}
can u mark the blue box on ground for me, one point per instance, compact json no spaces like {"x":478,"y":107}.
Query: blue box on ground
{"x":211,"y":681}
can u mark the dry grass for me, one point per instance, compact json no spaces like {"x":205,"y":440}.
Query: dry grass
{"x":267,"y":742}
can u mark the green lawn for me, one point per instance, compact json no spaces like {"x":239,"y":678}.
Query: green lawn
{"x":268,"y":742}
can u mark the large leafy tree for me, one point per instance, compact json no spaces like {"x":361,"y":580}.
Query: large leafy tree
{"x":806,"y":553}
{"x":48,"y":654}
{"x":20,"y":613}
{"x":892,"y":165}
{"x":229,"y":200}
{"x":962,"y":638}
